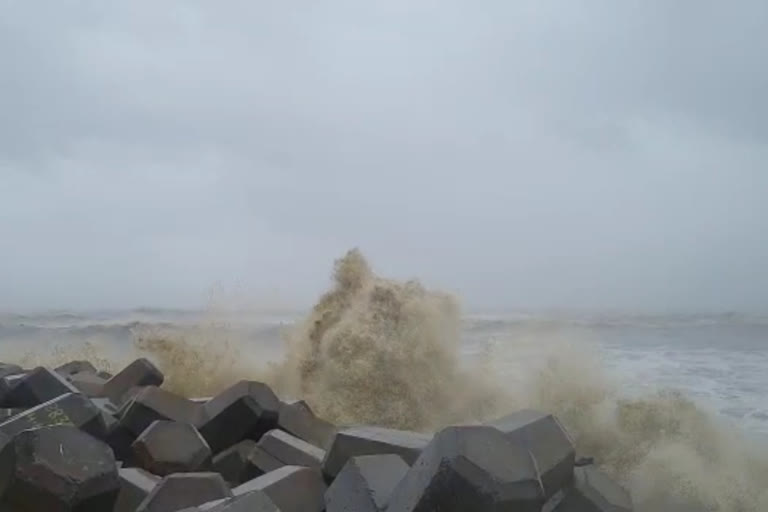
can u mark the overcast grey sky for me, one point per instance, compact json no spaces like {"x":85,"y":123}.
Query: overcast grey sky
{"x":526,"y":153}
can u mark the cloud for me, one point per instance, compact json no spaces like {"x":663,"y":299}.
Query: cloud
{"x":524,"y":154}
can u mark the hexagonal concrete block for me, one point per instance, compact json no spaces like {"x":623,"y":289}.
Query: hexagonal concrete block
{"x":594,"y":491}
{"x":290,"y":450}
{"x":470,"y":468}
{"x":152,"y":404}
{"x":139,"y":373}
{"x":38,"y":386}
{"x":291,"y":488}
{"x":167,"y":447}
{"x":233,"y":464}
{"x":62,"y":468}
{"x":365,"y":484}
{"x":70,"y":409}
{"x":182,"y":490}
{"x":356,"y":441}
{"x":245,"y":410}
{"x":135,"y":486}
{"x":547,"y":440}
{"x":297,"y":419}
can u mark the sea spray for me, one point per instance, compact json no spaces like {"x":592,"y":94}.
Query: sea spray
{"x":379,"y":351}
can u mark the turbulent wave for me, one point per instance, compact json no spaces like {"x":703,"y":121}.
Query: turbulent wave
{"x":379,"y":351}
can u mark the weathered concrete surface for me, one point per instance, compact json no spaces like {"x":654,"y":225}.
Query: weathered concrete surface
{"x":356,"y":441}
{"x":152,"y":404}
{"x":547,"y":440}
{"x":10,"y":369}
{"x":291,"y":488}
{"x":233,"y":463}
{"x":7,"y":413}
{"x":38,"y":386}
{"x":88,"y":384}
{"x":135,"y":486}
{"x":291,"y":450}
{"x":365,"y":484}
{"x":75,"y":367}
{"x":594,"y":491}
{"x":470,"y":468}
{"x":62,"y":468}
{"x":254,"y":501}
{"x":247,"y":409}
{"x":181,"y":490}
{"x":297,"y":419}
{"x":139,"y":373}
{"x":261,"y":462}
{"x":70,"y":409}
{"x":167,"y":447}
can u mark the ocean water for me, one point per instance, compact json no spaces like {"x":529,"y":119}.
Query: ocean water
{"x":719,"y":361}
{"x":672,"y":406}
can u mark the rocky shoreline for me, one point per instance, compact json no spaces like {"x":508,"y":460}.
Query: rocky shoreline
{"x":75,"y":438}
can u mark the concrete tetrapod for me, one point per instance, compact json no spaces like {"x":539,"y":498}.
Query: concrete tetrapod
{"x":470,"y":468}
{"x":60,"y":469}
{"x":167,"y":447}
{"x":365,"y":484}
{"x":551,"y":446}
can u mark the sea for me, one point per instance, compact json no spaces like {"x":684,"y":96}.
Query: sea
{"x":676,"y":406}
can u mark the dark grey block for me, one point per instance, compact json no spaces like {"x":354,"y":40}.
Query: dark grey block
{"x":297,"y":419}
{"x":551,"y":446}
{"x":247,"y":409}
{"x":135,"y":486}
{"x":291,"y":450}
{"x":62,"y":468}
{"x":355,"y":441}
{"x":167,"y":447}
{"x":233,"y":462}
{"x":37,"y":387}
{"x":181,"y":490}
{"x":470,"y":468}
{"x":291,"y":488}
{"x":139,"y":373}
{"x":254,"y":501}
{"x":594,"y":491}
{"x":152,"y":404}
{"x":75,"y":367}
{"x":70,"y":409}
{"x":365,"y":484}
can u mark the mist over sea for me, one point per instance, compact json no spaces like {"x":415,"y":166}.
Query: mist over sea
{"x":720,"y":361}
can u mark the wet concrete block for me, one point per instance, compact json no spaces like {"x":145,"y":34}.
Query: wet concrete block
{"x":233,"y":463}
{"x":62,"y":468}
{"x":261,"y":462}
{"x":10,"y":369}
{"x":182,"y":490}
{"x":88,"y":384}
{"x":470,"y":468}
{"x":297,"y":419}
{"x":547,"y":440}
{"x":247,"y":409}
{"x":69,"y":410}
{"x":167,"y":447}
{"x":135,"y":486}
{"x":291,"y":450}
{"x":152,"y":404}
{"x":255,"y":501}
{"x":7,"y":413}
{"x":365,"y":484}
{"x":594,"y":491}
{"x":37,"y":387}
{"x":75,"y":367}
{"x":139,"y":373}
{"x":356,"y":441}
{"x":291,"y":488}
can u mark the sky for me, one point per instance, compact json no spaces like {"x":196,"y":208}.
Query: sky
{"x":524,"y":155}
